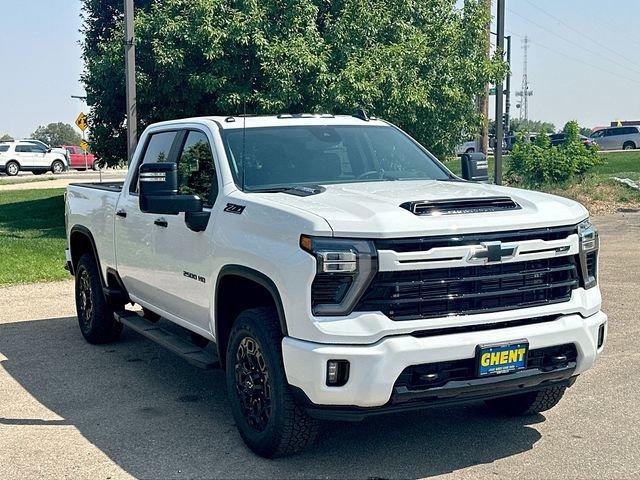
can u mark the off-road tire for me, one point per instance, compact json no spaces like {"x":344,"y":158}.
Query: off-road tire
{"x":289,"y":429}
{"x":529,"y":403}
{"x":12,"y":172}
{"x":95,"y":313}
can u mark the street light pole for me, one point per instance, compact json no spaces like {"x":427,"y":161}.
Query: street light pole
{"x":130,"y":78}
{"x":499,"y":98}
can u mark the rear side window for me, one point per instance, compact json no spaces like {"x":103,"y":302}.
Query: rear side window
{"x":23,"y":148}
{"x":4,"y":148}
{"x":158,"y":149}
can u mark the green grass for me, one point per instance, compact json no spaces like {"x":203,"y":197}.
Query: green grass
{"x":32,"y":236}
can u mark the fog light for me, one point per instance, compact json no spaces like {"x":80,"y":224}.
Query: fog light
{"x":601,"y":336}
{"x":337,"y":372}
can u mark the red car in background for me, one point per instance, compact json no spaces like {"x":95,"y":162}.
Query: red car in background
{"x":77,"y":158}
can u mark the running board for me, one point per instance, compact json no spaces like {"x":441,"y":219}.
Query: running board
{"x":191,"y":353}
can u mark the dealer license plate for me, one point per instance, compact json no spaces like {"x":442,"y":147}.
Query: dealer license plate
{"x":502,"y":358}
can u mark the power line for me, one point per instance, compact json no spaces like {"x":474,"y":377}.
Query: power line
{"x":575,"y":44}
{"x":557,"y":52}
{"x":582,"y":34}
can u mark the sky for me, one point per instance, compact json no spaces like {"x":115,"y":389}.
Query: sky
{"x":584,"y":61}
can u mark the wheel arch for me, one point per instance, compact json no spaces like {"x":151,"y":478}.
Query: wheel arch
{"x":80,"y":242}
{"x":260,"y":291}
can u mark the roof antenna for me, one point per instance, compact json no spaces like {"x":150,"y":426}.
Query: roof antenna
{"x":244,"y":137}
{"x":361,"y":114}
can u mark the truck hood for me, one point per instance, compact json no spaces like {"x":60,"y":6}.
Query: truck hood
{"x":373,"y":209}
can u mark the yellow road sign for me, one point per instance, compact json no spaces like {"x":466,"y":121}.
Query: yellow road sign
{"x":81,"y":121}
{"x":84,"y":145}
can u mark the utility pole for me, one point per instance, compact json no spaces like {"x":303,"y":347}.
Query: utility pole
{"x":499,"y":98}
{"x":130,"y":78}
{"x":482,"y":143}
{"x":507,"y":91}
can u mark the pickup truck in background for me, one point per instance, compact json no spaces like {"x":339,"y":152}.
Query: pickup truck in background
{"x":335,"y":270}
{"x":81,"y":160}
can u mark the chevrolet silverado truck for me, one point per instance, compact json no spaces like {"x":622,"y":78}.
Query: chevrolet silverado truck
{"x":335,"y":269}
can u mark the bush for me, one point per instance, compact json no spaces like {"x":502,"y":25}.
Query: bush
{"x":539,"y":163}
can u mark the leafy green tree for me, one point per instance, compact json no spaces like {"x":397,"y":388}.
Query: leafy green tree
{"x":418,"y":63}
{"x":540,"y":163}
{"x":56,"y":134}
{"x":6,"y":138}
{"x":531,"y":126}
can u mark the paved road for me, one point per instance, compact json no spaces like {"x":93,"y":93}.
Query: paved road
{"x":27,"y":180}
{"x":68,"y":409}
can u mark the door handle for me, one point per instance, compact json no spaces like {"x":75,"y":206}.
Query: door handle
{"x":121,"y":213}
{"x":161,"y":222}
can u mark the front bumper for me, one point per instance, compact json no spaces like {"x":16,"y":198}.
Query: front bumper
{"x":375,"y":368}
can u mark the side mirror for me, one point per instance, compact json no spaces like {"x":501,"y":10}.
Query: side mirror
{"x":475,"y":167}
{"x":159,"y":191}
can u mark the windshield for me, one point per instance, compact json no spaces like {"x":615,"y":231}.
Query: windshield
{"x":314,"y":155}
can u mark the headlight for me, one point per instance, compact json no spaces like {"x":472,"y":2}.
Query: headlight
{"x":344,"y":269}
{"x":589,"y":244}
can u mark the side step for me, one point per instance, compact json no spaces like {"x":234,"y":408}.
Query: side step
{"x":196,"y":356}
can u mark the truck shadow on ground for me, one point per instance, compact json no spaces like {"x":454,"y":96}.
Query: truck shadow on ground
{"x":158,"y":417}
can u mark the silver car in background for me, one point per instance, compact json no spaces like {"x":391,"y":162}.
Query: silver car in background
{"x":617,"y":138}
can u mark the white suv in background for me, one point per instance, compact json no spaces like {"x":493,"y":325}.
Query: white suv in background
{"x":32,"y":157}
{"x":617,"y":138}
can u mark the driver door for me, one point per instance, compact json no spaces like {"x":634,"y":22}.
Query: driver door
{"x":184,"y":257}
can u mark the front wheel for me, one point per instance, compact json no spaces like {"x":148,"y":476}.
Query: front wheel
{"x":528,"y":403}
{"x":95,"y":314}
{"x":57,"y":167}
{"x":267,"y":417}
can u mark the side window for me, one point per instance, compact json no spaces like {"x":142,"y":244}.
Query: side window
{"x":159,"y":147}
{"x":196,"y":169}
{"x":611,"y":132}
{"x":23,"y":148}
{"x":4,"y":148}
{"x":38,"y":149}
{"x":70,"y":151}
{"x":157,"y":150}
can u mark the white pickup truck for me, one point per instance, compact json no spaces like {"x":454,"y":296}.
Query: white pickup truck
{"x":335,"y":270}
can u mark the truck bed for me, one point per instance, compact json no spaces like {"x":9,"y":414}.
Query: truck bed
{"x":109,"y":186}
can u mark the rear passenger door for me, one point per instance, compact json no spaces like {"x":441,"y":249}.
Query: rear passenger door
{"x":135,"y":231}
{"x":25,"y":156}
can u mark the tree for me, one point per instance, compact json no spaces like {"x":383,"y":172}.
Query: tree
{"x":531,"y":126}
{"x":6,"y":138}
{"x":56,"y":134}
{"x":419,"y":64}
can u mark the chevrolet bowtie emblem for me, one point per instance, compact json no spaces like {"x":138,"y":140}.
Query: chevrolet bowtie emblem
{"x":492,"y":252}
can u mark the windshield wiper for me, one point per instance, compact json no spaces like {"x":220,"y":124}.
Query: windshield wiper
{"x":298,"y":190}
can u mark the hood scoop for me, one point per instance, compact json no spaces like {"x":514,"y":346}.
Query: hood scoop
{"x":460,"y":206}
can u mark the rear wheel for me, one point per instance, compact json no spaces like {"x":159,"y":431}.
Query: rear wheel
{"x":95,"y":314}
{"x":12,"y":168}
{"x":57,"y":166}
{"x":629,"y":146}
{"x":267,"y":417}
{"x":528,"y":403}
